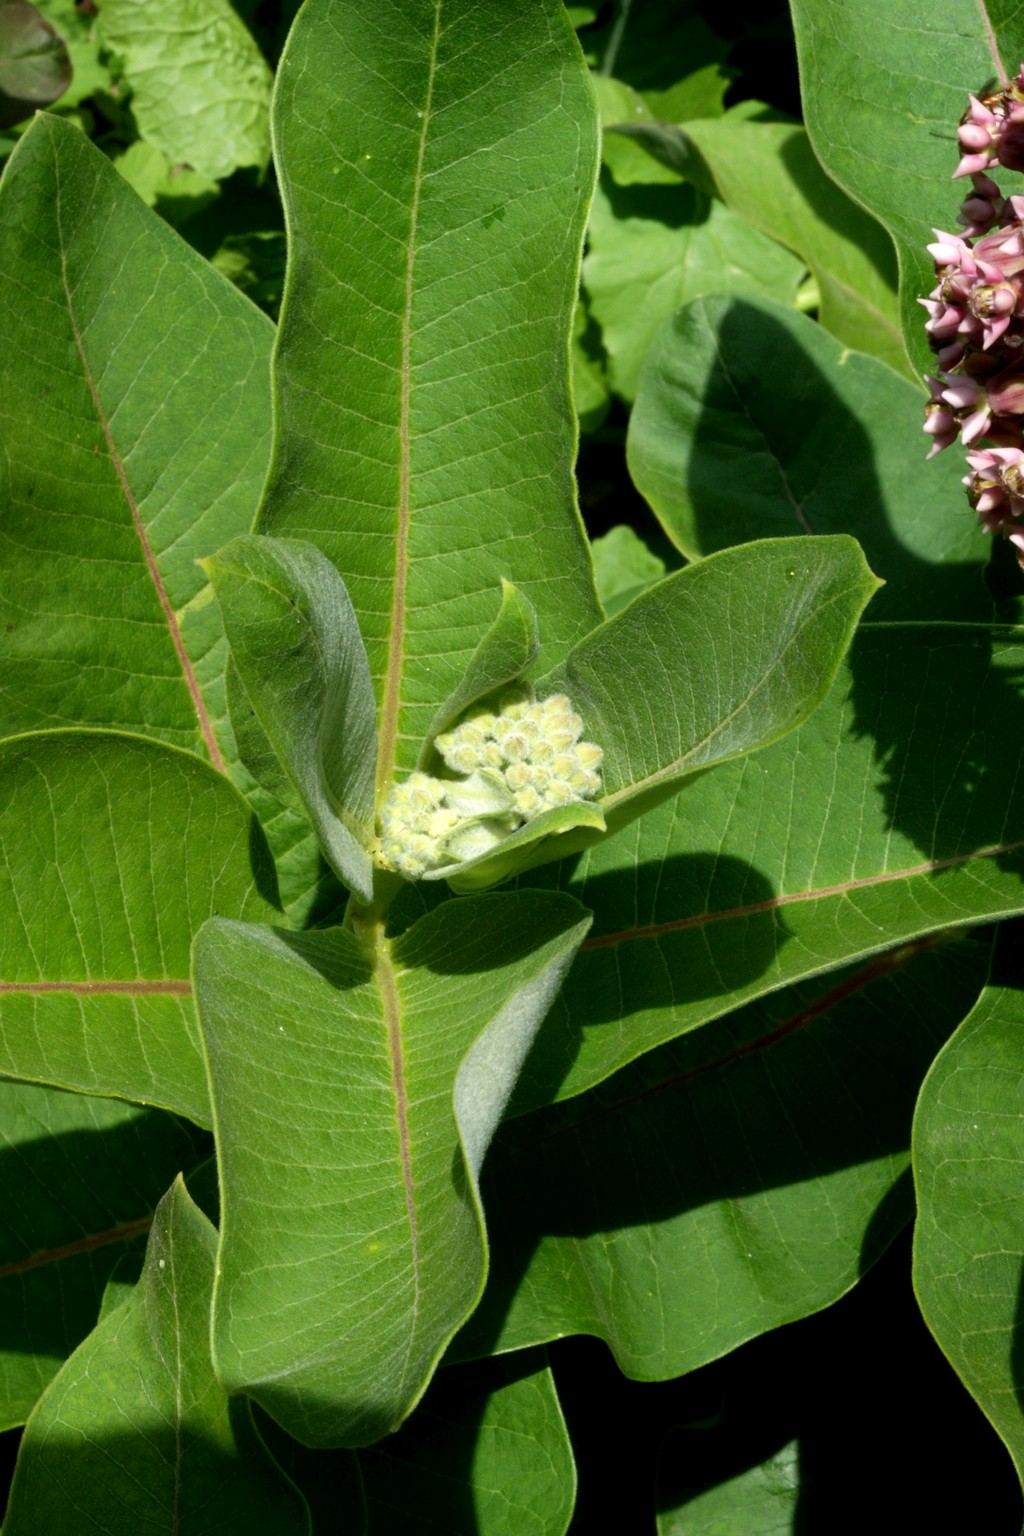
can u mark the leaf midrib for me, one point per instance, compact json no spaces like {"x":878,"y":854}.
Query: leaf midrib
{"x":174,"y":629}
{"x":391,"y":700}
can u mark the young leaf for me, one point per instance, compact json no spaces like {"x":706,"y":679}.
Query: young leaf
{"x":113,"y":851}
{"x":200,"y":88}
{"x":734,"y":1180}
{"x":713,"y":662}
{"x":751,"y":421}
{"x":296,"y":643}
{"x":436,"y":164}
{"x":503,"y":654}
{"x":192,"y":1460}
{"x":486,"y":1451}
{"x":82,"y":1178}
{"x":355,"y":1091}
{"x":969,"y":1237}
{"x":144,"y":385}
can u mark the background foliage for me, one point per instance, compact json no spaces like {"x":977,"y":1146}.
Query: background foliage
{"x":679,"y":1112}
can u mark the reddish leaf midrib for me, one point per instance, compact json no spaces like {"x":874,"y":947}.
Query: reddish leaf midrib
{"x":119,"y":1234}
{"x":140,"y":987}
{"x":819,"y":893}
{"x":153,"y":570}
{"x":391,"y":701}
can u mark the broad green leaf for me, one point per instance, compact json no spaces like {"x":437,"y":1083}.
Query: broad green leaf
{"x":725,"y":686}
{"x":135,"y":415}
{"x":192,"y":1460}
{"x":884,"y":84}
{"x":732,"y":1181}
{"x":486,"y":1451}
{"x":353,"y":1108}
{"x":175,"y":191}
{"x":296,"y":643}
{"x":82,"y":1177}
{"x":762,"y":1501}
{"x":652,"y":248}
{"x":766,"y":172}
{"x":969,"y":1238}
{"x":436,"y":164}
{"x":715,"y":661}
{"x":200,"y":88}
{"x":751,"y":420}
{"x":624,"y":567}
{"x":892,"y":813}
{"x":34,"y":65}
{"x":113,"y":851}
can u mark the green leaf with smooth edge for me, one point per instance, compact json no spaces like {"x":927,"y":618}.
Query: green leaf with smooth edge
{"x":436,"y":164}
{"x":884,"y":84}
{"x":509,"y":646}
{"x":763,"y":1501}
{"x":766,"y":172}
{"x":751,"y":420}
{"x":295,"y":640}
{"x":652,"y":248}
{"x":193,"y":1460}
{"x":715,"y":661}
{"x":360,"y":1088}
{"x":135,"y":412}
{"x":855,"y":833}
{"x":113,"y":850}
{"x":727,"y":686}
{"x":969,"y":1237}
{"x":82,"y":1177}
{"x":34,"y":65}
{"x":732,"y":1181}
{"x":200,"y":88}
{"x":486,"y":1451}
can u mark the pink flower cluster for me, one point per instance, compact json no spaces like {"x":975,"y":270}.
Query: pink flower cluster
{"x":976,"y":319}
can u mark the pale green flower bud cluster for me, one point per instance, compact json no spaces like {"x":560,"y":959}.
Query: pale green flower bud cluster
{"x":515,"y":764}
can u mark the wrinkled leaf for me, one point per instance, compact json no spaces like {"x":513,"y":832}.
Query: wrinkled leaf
{"x":193,"y":1460}
{"x":355,"y":1091}
{"x":113,"y":851}
{"x":766,"y":172}
{"x":652,"y":248}
{"x":200,"y":88}
{"x":751,"y":421}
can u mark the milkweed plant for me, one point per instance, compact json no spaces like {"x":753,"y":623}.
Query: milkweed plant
{"x":438,"y":929}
